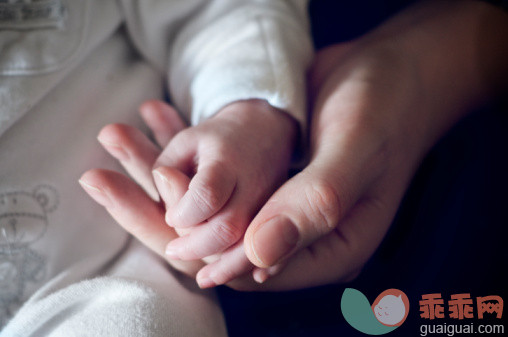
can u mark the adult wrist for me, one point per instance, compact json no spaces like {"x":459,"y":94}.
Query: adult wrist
{"x":460,"y":52}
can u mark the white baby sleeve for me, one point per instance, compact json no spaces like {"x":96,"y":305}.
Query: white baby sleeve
{"x":241,"y":49}
{"x":220,"y":51}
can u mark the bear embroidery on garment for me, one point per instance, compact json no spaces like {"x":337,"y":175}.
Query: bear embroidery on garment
{"x":23,"y":220}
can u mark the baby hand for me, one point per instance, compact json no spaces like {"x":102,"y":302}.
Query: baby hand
{"x":231,"y":164}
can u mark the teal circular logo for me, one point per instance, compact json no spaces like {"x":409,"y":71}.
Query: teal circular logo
{"x":387,"y":312}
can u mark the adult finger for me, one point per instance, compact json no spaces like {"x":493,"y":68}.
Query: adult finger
{"x":347,"y":158}
{"x":134,"y":211}
{"x":336,"y":257}
{"x":135,"y":152}
{"x":307,"y":207}
{"x":260,"y":275}
{"x":300,"y":212}
{"x":162,"y":119}
{"x":232,"y":264}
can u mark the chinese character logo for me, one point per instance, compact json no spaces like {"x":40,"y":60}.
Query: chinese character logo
{"x":388,"y":311}
{"x":431,"y":306}
{"x":460,"y":306}
{"x":490,"y":304}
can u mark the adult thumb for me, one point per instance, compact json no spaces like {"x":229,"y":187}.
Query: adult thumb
{"x":304,"y":209}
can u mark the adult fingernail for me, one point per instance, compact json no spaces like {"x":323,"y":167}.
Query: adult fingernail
{"x":273,"y":240}
{"x":260,"y":275}
{"x":205,"y":282}
{"x":96,"y":193}
{"x":114,"y":149}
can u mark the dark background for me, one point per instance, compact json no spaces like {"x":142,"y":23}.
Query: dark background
{"x":450,"y":233}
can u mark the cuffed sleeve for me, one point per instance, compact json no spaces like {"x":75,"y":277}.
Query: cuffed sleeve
{"x":237,"y":50}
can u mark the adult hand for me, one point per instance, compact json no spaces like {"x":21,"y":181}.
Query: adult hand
{"x":381,"y":103}
{"x":327,"y":220}
{"x":136,"y":206}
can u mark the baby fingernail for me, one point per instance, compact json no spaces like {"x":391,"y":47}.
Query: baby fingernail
{"x":96,"y":193}
{"x":159,"y":176}
{"x":164,"y":188}
{"x":114,"y":149}
{"x":274,"y":239}
{"x":167,"y":218}
{"x":172,"y":252}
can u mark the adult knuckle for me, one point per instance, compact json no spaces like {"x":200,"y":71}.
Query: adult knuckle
{"x":324,"y":204}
